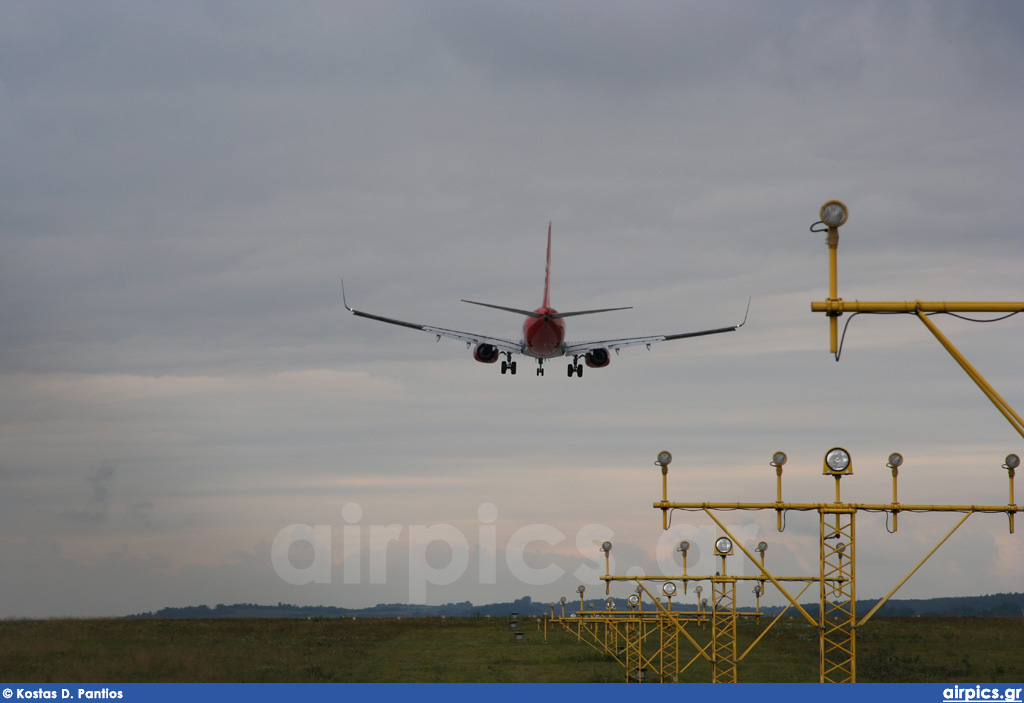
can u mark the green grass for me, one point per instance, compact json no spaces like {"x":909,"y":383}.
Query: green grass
{"x":945,"y":650}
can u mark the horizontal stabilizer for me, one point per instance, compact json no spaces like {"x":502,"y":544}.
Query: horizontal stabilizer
{"x":587,"y":312}
{"x":528,"y":313}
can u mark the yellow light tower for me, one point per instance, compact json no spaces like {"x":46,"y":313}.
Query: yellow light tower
{"x":838,"y":598}
{"x":723,"y":618}
{"x":833,"y":215}
{"x":836,"y":578}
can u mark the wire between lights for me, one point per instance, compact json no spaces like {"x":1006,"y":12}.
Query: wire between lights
{"x":842,"y":339}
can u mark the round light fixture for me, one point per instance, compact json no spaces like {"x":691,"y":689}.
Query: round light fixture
{"x":609,"y":603}
{"x":834,"y":213}
{"x":837,"y":461}
{"x":684,"y":546}
{"x":633,"y":599}
{"x":698,"y":590}
{"x":669,"y":589}
{"x":895,"y":460}
{"x":1012,"y":461}
{"x":779,"y":458}
{"x":841,"y":547}
{"x":606,"y":547}
{"x":562,"y":600}
{"x":762,"y":547}
{"x":664,"y":458}
{"x":723,"y":545}
{"x":581,"y":589}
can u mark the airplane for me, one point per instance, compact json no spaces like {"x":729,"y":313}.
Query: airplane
{"x":543,"y":334}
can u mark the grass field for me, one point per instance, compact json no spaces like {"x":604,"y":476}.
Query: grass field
{"x":941,"y":650}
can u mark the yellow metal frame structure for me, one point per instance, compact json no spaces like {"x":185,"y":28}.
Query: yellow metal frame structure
{"x":835,"y":306}
{"x":837,"y":594}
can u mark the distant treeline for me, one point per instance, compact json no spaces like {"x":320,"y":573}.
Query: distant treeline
{"x":998,"y":605}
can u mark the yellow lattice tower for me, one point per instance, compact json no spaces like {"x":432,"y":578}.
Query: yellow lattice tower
{"x":838,"y":597}
{"x":723,"y":619}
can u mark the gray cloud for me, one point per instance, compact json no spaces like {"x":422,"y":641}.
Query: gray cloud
{"x":184,"y":185}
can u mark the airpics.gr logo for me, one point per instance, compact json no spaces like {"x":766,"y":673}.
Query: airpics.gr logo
{"x":371,"y":543}
{"x":982,"y":693}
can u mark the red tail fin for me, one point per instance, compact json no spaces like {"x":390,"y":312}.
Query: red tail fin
{"x":547,"y":273}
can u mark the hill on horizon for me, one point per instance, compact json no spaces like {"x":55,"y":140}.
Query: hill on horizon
{"x":995,"y":605}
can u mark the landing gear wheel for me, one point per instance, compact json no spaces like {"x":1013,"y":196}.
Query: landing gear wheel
{"x":508,"y":366}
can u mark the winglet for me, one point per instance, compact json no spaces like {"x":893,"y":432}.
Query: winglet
{"x":343,"y":301}
{"x":745,"y":314}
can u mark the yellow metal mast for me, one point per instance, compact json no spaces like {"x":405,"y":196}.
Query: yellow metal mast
{"x":833,"y":215}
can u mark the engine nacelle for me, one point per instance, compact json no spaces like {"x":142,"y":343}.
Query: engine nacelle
{"x":598,"y":358}
{"x":486,"y":353}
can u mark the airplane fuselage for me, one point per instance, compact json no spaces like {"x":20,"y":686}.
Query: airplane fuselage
{"x":543,"y":335}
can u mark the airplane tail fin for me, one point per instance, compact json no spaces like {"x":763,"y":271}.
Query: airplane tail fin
{"x":547,"y":273}
{"x":547,"y":296}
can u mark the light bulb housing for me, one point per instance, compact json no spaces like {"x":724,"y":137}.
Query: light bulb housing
{"x":837,"y":463}
{"x":669,"y":589}
{"x":723,"y":546}
{"x":895,"y":460}
{"x":834,"y":214}
{"x":779,"y":458}
{"x":664,"y":458}
{"x":1012,"y":461}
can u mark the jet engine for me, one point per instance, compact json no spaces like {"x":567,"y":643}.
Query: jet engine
{"x":598,"y":358}
{"x":486,"y":353}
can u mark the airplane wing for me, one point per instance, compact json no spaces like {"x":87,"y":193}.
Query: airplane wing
{"x":470,"y":338}
{"x":570,"y":349}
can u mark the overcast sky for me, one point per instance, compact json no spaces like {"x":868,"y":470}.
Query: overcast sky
{"x":183,"y":185}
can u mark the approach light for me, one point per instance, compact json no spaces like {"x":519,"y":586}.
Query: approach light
{"x":834,"y":213}
{"x":609,"y":603}
{"x":840,"y":547}
{"x":895,"y":460}
{"x":757,"y":591}
{"x":562,"y":600}
{"x":684,"y":547}
{"x":669,"y":589}
{"x":606,"y":547}
{"x":762,"y":547}
{"x":779,"y":458}
{"x":1012,"y":461}
{"x":581,"y":589}
{"x":837,"y":462}
{"x":723,"y":546}
{"x":633,"y":599}
{"x":698,"y":590}
{"x":664,"y":458}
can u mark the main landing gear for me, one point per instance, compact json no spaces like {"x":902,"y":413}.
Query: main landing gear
{"x":575,"y":368}
{"x":508,"y":366}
